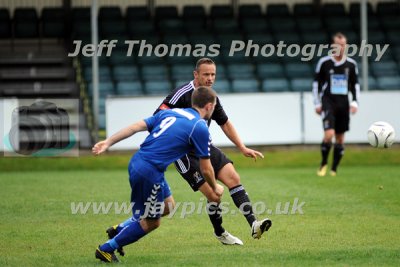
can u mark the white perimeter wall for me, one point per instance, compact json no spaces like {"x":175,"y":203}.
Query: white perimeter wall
{"x":264,"y":118}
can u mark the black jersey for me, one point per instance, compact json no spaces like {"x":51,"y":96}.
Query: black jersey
{"x":334,"y":80}
{"x":181,"y":97}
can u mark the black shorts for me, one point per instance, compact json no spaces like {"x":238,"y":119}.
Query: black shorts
{"x":189,"y":167}
{"x":335,"y":117}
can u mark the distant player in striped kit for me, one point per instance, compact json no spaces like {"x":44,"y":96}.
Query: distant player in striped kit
{"x":188,"y":165}
{"x":335,"y":77}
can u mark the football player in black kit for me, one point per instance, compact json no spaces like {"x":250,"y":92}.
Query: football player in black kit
{"x":188,"y":166}
{"x":335,"y":77}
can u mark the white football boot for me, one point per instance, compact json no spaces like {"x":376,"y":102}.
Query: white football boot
{"x":228,"y":239}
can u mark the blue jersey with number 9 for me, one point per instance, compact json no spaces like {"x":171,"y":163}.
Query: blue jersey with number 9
{"x":174,"y":133}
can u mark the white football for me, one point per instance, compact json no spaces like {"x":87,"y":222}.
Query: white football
{"x":381,"y":134}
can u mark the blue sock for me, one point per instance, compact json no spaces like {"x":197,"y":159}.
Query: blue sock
{"x":109,"y":246}
{"x":125,"y":224}
{"x":130,"y":234}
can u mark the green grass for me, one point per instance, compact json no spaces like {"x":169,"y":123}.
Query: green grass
{"x":352,"y":219}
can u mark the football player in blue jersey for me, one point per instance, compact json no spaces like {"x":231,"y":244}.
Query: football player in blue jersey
{"x":172,"y":134}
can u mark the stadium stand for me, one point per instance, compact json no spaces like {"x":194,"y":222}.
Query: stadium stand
{"x":151,"y":75}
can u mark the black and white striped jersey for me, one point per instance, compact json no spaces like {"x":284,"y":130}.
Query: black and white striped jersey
{"x":181,"y":97}
{"x":334,"y":80}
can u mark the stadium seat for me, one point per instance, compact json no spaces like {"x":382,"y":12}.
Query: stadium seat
{"x":195,"y":26}
{"x":222,"y":86}
{"x":154,"y":72}
{"x":309,"y":24}
{"x":278,"y":10}
{"x":25,"y":23}
{"x":202,"y":38}
{"x":137,"y":13}
{"x":101,"y":120}
{"x":141,"y":27}
{"x":390,"y":23}
{"x":119,"y":57}
{"x":355,"y":9}
{"x":244,"y":86}
{"x":376,"y":37}
{"x":166,"y":12}
{"x":301,"y":84}
{"x":5,"y":23}
{"x":125,"y":73}
{"x":104,"y":74}
{"x":171,"y":26}
{"x":225,"y":25}
{"x":275,"y":85}
{"x":388,"y":56}
{"x":157,"y":87}
{"x":87,"y":61}
{"x":180,"y":83}
{"x":293,"y":58}
{"x":53,"y":22}
{"x":182,"y":71}
{"x":261,"y":38}
{"x":102,"y":104}
{"x":273,"y":58}
{"x":384,"y":9}
{"x":372,"y":83}
{"x":250,"y":11}
{"x":110,"y":13}
{"x":237,"y":57}
{"x":396,"y":52}
{"x":352,"y":37}
{"x":389,"y":82}
{"x":298,"y":70}
{"x":240,"y":71}
{"x":279,"y":25}
{"x":112,"y":28}
{"x":373,"y":23}
{"x":129,"y":88}
{"x":304,"y":10}
{"x":170,"y":39}
{"x":270,"y":70}
{"x":151,"y":59}
{"x":105,"y":89}
{"x":315,"y":37}
{"x":225,"y":39}
{"x":333,"y":10}
{"x":393,"y":37}
{"x":81,"y":30}
{"x":288,"y":37}
{"x":194,"y":12}
{"x":338,"y":24}
{"x":384,"y":68}
{"x":255,"y":25}
{"x":81,"y":14}
{"x":221,"y":11}
{"x":175,"y":59}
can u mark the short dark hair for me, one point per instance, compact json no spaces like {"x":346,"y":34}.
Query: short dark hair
{"x":338,"y":35}
{"x":203,"y":95}
{"x":204,"y":60}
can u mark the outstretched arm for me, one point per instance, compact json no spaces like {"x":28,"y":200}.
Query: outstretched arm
{"x":232,"y":134}
{"x":132,"y":129}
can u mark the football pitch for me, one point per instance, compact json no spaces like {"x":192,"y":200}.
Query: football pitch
{"x":352,"y":219}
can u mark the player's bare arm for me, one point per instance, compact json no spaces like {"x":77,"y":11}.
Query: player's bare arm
{"x":232,"y":134}
{"x":208,"y":172}
{"x":132,"y":129}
